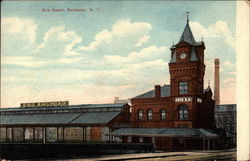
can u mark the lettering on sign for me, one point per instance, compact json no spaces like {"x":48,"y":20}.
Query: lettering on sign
{"x":45,"y":104}
{"x":183,"y":99}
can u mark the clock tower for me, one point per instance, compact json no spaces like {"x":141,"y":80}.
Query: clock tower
{"x":187,"y":70}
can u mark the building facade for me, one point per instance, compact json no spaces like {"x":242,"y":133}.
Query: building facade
{"x":75,"y":123}
{"x":176,"y":112}
{"x":183,"y":103}
{"x":225,"y":119}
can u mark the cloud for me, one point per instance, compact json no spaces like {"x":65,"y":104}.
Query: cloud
{"x":126,"y":28}
{"x":23,"y":61}
{"x":219,"y":29}
{"x":70,"y":60}
{"x":228,"y":64}
{"x":24,"y":27}
{"x":122,"y":33}
{"x":56,"y":41}
{"x":146,"y":54}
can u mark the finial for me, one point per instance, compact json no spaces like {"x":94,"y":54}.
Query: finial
{"x":187,"y":17}
{"x":173,"y":42}
{"x":208,"y":83}
{"x":202,"y":37}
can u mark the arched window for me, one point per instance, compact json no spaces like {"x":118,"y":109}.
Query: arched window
{"x":163,"y":114}
{"x":140,"y":115}
{"x":150,"y":115}
{"x":183,"y":112}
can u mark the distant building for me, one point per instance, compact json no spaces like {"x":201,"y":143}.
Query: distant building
{"x":119,"y":101}
{"x":225,"y":118}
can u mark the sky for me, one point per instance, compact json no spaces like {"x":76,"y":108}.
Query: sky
{"x":93,"y":51}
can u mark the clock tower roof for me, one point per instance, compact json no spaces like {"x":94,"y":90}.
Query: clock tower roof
{"x":187,"y":35}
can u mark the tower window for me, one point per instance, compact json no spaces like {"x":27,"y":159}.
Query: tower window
{"x":140,"y":115}
{"x":163,"y":114}
{"x":150,"y":114}
{"x":183,"y":112}
{"x":183,"y":87}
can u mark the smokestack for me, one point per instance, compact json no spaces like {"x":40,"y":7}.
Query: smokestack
{"x":217,"y":81}
{"x":157,"y":91}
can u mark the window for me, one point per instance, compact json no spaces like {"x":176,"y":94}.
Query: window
{"x":129,"y":139}
{"x":163,"y":114}
{"x":216,"y":119}
{"x":182,"y":126}
{"x":141,"y":140}
{"x":220,"y":118}
{"x":183,"y":112}
{"x":233,"y":128}
{"x":140,"y":115}
{"x":150,"y":114}
{"x":28,"y":134}
{"x":183,"y":88}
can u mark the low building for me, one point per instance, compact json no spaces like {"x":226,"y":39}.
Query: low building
{"x":225,"y":118}
{"x":75,"y":123}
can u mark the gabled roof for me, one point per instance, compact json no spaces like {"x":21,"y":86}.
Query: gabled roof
{"x":193,"y":56}
{"x":165,"y":92}
{"x":208,"y":89}
{"x":173,"y":47}
{"x":173,"y":58}
{"x":198,"y":43}
{"x":187,"y":35}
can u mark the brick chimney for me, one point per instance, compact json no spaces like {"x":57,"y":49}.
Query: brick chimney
{"x":157,"y":91}
{"x":217,"y":81}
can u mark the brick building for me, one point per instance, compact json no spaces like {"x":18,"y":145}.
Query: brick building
{"x":179,"y":113}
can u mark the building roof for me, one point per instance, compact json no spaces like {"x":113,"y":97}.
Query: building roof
{"x":225,"y":107}
{"x":198,"y":43}
{"x":167,"y":132}
{"x":96,"y":117}
{"x":165,"y":92}
{"x":59,"y":118}
{"x":118,"y":105}
{"x":173,"y":58}
{"x":173,"y":47}
{"x":187,"y":35}
{"x":193,"y":56}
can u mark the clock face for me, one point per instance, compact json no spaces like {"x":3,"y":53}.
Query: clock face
{"x":183,"y":55}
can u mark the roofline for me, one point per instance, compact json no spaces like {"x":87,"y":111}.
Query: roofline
{"x":162,"y":135}
{"x":226,"y":104}
{"x":111,"y":105}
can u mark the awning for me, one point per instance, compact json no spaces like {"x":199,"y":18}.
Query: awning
{"x":164,"y":132}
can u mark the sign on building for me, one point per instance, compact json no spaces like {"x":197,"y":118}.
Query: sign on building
{"x":45,"y":104}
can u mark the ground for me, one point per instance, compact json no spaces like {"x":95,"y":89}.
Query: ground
{"x":219,"y":155}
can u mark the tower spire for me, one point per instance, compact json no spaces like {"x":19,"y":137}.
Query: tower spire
{"x":187,"y":17}
{"x":187,"y":34}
